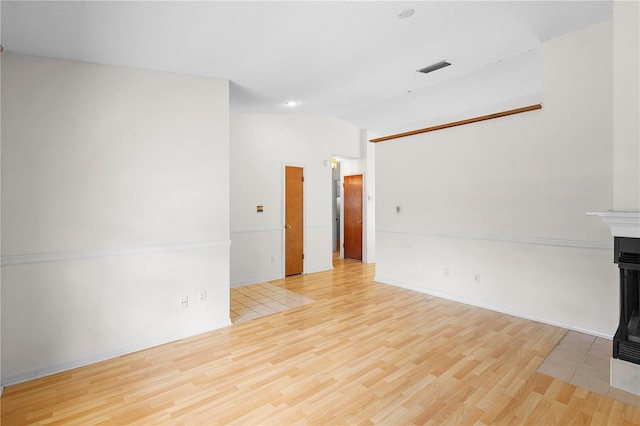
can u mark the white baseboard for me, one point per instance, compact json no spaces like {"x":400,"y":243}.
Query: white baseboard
{"x":275,"y":277}
{"x":323,"y":269}
{"x":256,"y":280}
{"x":36,"y":373}
{"x":501,"y":309}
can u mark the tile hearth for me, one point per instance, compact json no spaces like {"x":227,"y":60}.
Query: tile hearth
{"x":584,"y":360}
{"x":257,"y":300}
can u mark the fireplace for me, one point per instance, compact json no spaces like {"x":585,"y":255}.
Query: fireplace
{"x":625,"y":362}
{"x":626,"y":342}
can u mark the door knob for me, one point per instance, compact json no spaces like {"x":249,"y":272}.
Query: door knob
{"x":288,"y":226}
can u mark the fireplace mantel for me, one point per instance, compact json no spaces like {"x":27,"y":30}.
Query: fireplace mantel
{"x":622,"y":224}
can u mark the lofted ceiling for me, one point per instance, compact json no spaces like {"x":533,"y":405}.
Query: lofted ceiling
{"x":354,"y":60}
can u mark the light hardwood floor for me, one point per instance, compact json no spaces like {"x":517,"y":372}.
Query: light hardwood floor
{"x":362,"y":353}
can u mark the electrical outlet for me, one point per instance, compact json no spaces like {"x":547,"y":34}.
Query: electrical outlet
{"x":477,"y":277}
{"x":183,"y":302}
{"x":202,"y":296}
{"x":445,"y":273}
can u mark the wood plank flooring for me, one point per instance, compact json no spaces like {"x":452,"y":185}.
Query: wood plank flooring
{"x":362,"y":353}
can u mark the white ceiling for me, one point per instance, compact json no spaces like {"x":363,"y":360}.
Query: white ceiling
{"x":352,"y":60}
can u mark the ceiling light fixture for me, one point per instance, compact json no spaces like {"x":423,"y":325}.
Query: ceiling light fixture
{"x":406,"y":14}
{"x":291,"y":104}
{"x":434,"y":67}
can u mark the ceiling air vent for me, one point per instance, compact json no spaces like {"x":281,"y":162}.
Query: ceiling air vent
{"x":434,"y":67}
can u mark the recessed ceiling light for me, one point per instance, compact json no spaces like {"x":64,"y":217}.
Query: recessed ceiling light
{"x":291,"y":104}
{"x":406,"y":14}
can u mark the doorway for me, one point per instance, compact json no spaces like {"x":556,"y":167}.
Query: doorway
{"x":336,"y":202}
{"x":294,"y":220}
{"x":353,"y":217}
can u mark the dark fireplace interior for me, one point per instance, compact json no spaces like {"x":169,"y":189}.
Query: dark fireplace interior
{"x":626,"y":342}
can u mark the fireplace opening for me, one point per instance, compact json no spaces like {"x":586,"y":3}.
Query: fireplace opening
{"x":626,"y":342}
{"x":634,"y":327}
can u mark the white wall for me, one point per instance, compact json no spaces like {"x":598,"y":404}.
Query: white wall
{"x":260,"y":145}
{"x":626,"y":128}
{"x":115,"y":188}
{"x":371,"y":198}
{"x":1,"y":387}
{"x":506,"y":199}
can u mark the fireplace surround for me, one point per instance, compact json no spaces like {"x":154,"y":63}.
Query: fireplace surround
{"x":626,"y":341}
{"x":625,"y":360}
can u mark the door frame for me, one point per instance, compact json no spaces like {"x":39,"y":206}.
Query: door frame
{"x":364,"y":214}
{"x":283,"y":220}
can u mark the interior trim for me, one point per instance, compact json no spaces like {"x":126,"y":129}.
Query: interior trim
{"x":459,"y":123}
{"x":262,"y":279}
{"x":621,"y":224}
{"x":507,"y":239}
{"x":497,"y":308}
{"x":47,"y":370}
{"x":321,"y":227}
{"x":23,"y":259}
{"x":274,"y":229}
{"x":250,"y":230}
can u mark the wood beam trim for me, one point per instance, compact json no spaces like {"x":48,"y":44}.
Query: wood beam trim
{"x":459,"y":123}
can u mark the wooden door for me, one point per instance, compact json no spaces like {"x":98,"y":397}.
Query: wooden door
{"x":353,"y":217}
{"x":294,"y":223}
